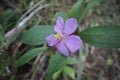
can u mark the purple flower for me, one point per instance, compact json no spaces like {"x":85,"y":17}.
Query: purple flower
{"x":64,"y":40}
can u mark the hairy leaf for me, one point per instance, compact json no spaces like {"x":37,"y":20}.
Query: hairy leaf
{"x":36,"y":35}
{"x":29,"y":55}
{"x":102,"y":36}
{"x":56,"y":63}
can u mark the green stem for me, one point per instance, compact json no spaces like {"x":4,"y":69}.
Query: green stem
{"x":87,"y":50}
{"x":80,"y":67}
{"x":51,"y":7}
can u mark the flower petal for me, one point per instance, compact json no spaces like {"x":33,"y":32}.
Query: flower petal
{"x":73,"y":43}
{"x":51,"y":40}
{"x":62,"y":48}
{"x":59,"y":25}
{"x":70,"y":26}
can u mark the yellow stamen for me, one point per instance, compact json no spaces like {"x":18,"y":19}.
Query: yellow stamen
{"x":56,"y":36}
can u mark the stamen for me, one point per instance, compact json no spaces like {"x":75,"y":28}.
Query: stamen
{"x":56,"y":36}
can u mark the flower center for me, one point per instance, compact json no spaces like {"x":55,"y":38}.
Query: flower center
{"x":58,"y":36}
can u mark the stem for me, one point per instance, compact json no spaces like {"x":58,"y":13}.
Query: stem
{"x":86,"y":50}
{"x":80,"y":67}
{"x":52,"y":10}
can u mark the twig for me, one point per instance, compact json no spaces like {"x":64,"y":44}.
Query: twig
{"x":16,"y":31}
{"x":40,"y":61}
{"x":39,"y":19}
{"x":10,"y":4}
{"x":30,"y":10}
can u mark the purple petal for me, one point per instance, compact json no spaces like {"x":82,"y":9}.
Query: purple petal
{"x":73,"y":43}
{"x":59,"y":25}
{"x":51,"y":40}
{"x":62,"y":48}
{"x":70,"y":26}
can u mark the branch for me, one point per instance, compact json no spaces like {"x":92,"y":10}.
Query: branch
{"x":12,"y":35}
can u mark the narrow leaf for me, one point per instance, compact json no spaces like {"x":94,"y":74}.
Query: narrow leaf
{"x":57,"y":74}
{"x":102,"y":36}
{"x":29,"y":55}
{"x":2,"y":38}
{"x":36,"y":35}
{"x":3,"y":64}
{"x":69,"y":71}
{"x":77,"y":9}
{"x":56,"y":63}
{"x":61,"y":14}
{"x":92,"y":4}
{"x":71,"y":60}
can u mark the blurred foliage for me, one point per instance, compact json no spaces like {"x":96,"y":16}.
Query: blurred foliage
{"x":57,"y":66}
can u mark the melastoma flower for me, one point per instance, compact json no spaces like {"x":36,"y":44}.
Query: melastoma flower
{"x":64,"y":40}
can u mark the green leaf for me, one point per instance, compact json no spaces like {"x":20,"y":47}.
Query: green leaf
{"x":56,"y":63}
{"x":3,"y":56}
{"x":29,"y":55}
{"x":102,"y":36}
{"x":2,"y":38}
{"x":61,"y":14}
{"x":91,"y":4}
{"x":69,"y":71}
{"x":36,"y":35}
{"x":109,"y":62}
{"x":71,"y":60}
{"x":13,"y":78}
{"x":57,"y":74}
{"x":3,"y":64}
{"x":77,"y":9}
